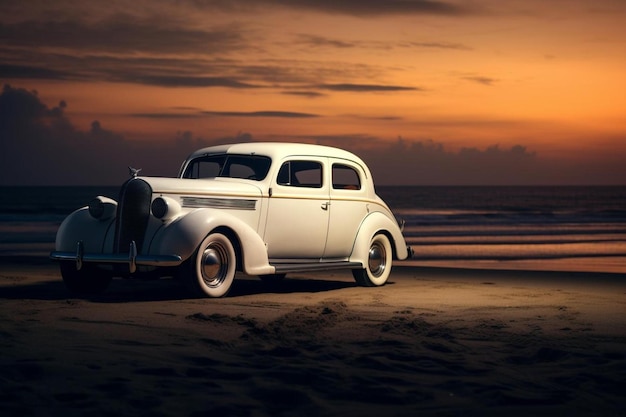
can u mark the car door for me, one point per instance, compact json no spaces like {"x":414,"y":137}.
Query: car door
{"x":348,"y":208}
{"x":298,"y":211}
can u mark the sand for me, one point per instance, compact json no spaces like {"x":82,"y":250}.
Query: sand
{"x":433,"y":341}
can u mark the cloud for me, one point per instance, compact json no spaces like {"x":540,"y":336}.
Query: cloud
{"x":322,"y":41}
{"x":29,"y":71}
{"x":435,"y":45}
{"x":166,"y":115}
{"x":121,"y":34}
{"x":316,"y":41}
{"x":307,"y":94}
{"x":481,"y":80}
{"x":428,"y":162}
{"x":365,"y":88}
{"x":263,"y":113}
{"x":369,"y":8}
{"x":185,"y":81}
{"x":169,"y":46}
{"x":40,"y":146}
{"x":195,"y":113}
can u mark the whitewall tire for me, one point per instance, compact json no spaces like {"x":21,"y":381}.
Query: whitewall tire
{"x":378,"y":264}
{"x":210,"y":272}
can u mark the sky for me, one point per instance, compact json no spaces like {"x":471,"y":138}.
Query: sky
{"x":427,"y":92}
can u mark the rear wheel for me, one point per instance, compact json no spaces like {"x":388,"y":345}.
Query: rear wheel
{"x":210,"y":272}
{"x":378,"y":265}
{"x":89,"y":280}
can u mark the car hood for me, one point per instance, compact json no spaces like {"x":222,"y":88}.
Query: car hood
{"x":215,"y":186}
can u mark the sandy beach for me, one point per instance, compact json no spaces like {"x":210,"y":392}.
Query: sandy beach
{"x":433,"y":341}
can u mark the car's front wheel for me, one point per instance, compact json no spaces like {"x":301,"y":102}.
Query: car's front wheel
{"x":378,"y":266}
{"x":210,"y":272}
{"x":89,"y":280}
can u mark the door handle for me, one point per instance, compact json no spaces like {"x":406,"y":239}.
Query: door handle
{"x":325,"y":205}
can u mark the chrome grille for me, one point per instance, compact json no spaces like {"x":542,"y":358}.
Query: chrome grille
{"x":133,"y":212}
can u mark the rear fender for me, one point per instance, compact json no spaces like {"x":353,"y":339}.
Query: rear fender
{"x":373,"y":224}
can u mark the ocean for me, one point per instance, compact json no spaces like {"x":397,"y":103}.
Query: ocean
{"x":548,"y":228}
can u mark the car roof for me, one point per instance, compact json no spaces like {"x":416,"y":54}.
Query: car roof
{"x":279,"y":150}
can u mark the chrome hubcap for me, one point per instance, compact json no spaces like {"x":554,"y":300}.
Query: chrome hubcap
{"x":377,"y":259}
{"x":214,"y":265}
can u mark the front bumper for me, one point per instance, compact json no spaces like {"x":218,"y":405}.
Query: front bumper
{"x":132,"y":259}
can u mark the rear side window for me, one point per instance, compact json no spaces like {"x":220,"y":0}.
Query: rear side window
{"x":300,"y":174}
{"x":345,"y":178}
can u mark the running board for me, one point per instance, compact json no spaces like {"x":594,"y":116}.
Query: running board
{"x":283,"y":268}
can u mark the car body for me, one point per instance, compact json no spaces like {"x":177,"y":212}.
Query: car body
{"x":263,"y":209}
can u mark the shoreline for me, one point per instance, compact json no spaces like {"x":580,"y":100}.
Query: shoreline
{"x":37,"y":254}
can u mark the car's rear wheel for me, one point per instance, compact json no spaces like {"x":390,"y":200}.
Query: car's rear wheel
{"x":89,"y":280}
{"x":210,"y":272}
{"x":378,"y":266}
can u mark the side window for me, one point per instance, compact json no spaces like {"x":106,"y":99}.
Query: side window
{"x":301,"y":174}
{"x":345,"y":178}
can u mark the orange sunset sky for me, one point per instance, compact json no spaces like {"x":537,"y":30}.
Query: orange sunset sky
{"x":427,"y":92}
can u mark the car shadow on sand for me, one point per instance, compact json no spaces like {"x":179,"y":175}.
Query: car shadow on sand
{"x":129,"y":290}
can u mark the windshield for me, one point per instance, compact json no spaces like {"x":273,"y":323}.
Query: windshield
{"x":250,"y":167}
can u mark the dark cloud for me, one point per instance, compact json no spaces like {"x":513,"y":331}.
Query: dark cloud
{"x":40,"y":146}
{"x":369,"y":8}
{"x":121,"y":33}
{"x":165,"y":45}
{"x":185,"y":81}
{"x":430,"y":163}
{"x":308,"y":94}
{"x":195,"y":113}
{"x":29,"y":71}
{"x":365,"y":88}
{"x":166,"y":115}
{"x":435,"y":45}
{"x":191,"y":71}
{"x":264,"y":113}
{"x":322,"y":41}
{"x":427,"y":162}
{"x":157,"y":49}
{"x":315,"y":41}
{"x":481,"y":80}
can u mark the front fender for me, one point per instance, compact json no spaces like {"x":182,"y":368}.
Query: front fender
{"x":183,"y":236}
{"x":375,"y":223}
{"x":81,"y":226}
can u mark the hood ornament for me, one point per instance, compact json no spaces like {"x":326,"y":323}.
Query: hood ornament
{"x":133,"y":171}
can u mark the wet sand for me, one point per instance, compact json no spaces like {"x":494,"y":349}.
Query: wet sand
{"x":433,"y":341}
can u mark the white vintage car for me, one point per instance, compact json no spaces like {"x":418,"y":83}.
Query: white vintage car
{"x":264,"y":209}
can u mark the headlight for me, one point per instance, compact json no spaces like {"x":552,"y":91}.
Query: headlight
{"x":165,"y":208}
{"x":102,"y":208}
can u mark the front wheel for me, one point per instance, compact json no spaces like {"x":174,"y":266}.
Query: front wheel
{"x":89,"y":280}
{"x":378,"y":265}
{"x":210,"y":272}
